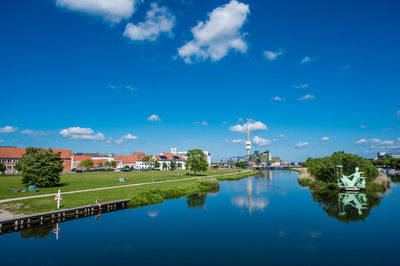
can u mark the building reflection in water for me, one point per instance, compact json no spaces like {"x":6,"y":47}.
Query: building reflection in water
{"x":252,"y":203}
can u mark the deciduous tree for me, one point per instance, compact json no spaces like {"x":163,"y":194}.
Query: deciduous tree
{"x":40,"y":167}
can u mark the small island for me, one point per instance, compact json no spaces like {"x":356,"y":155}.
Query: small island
{"x":324,"y":177}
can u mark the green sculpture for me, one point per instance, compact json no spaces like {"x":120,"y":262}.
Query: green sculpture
{"x":354,"y":181}
{"x":357,"y":201}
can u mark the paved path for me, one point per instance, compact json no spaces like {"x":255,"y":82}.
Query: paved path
{"x":104,"y":188}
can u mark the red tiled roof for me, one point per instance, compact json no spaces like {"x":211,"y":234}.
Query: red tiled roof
{"x":97,"y":161}
{"x":14,"y":152}
{"x":126,"y":158}
{"x":80,"y":158}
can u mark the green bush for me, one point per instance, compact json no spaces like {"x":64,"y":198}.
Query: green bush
{"x":324,"y":169}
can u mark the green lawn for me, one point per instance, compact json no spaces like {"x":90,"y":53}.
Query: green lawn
{"x":79,"y":181}
{"x":89,"y":180}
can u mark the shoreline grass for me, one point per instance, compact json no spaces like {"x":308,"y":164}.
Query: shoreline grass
{"x":37,"y":205}
{"x":79,"y":181}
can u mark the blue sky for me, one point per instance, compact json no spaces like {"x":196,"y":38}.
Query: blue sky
{"x":82,"y":76}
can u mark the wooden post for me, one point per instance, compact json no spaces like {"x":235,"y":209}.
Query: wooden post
{"x":41,"y":220}
{"x":1,"y":227}
{"x":29,"y":222}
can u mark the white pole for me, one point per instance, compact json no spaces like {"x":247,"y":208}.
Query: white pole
{"x":58,"y":199}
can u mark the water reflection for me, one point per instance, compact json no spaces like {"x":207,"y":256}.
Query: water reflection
{"x":256,"y":203}
{"x":38,"y":232}
{"x":345,"y":206}
{"x":355,"y":200}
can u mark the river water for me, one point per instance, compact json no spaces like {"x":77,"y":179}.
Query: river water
{"x":267,"y":219}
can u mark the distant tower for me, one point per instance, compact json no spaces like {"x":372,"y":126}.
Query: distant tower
{"x":174,"y":151}
{"x":248,"y":142}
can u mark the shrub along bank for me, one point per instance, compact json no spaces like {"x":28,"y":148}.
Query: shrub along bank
{"x":156,"y":196}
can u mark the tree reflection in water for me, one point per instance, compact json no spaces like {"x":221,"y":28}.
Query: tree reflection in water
{"x":346,"y":207}
{"x":37,"y":232}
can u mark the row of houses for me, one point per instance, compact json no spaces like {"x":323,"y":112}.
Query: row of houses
{"x":10,"y":156}
{"x":134,"y":161}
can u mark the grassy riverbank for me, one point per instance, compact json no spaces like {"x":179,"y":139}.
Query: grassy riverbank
{"x":36,"y":205}
{"x":79,"y":181}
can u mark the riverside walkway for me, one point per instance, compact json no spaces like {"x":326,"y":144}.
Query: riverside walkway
{"x":116,"y":187}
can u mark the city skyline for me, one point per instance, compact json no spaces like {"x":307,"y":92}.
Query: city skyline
{"x":150,"y":75}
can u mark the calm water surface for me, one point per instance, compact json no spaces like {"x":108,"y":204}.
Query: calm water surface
{"x":261,"y":220}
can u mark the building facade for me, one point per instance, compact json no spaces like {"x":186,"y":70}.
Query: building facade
{"x":10,"y":156}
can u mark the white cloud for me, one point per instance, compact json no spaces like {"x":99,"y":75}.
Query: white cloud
{"x":363,"y":126}
{"x":119,"y":141}
{"x":1,"y":140}
{"x":253,"y":126}
{"x":398,"y":140}
{"x":302,"y":86}
{"x":81,"y":133}
{"x":8,"y":129}
{"x":325,"y":138}
{"x":111,"y":10}
{"x":306,"y":97}
{"x":307,"y":59}
{"x":361,"y":141}
{"x":375,"y":141}
{"x":109,"y":140}
{"x":220,"y":33}
{"x":278,"y":99}
{"x":273,"y":55}
{"x":153,"y":118}
{"x":386,"y":142}
{"x":261,"y":141}
{"x":281,"y":136}
{"x":129,"y":136}
{"x":301,"y":144}
{"x":238,"y":141}
{"x":34,"y":133}
{"x":127,"y":87}
{"x":204,"y":123}
{"x":158,"y":20}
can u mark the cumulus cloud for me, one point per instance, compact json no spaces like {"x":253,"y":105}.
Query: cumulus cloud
{"x":8,"y":129}
{"x":129,"y":136}
{"x":307,"y":59}
{"x":301,"y":144}
{"x":278,"y":99}
{"x":158,"y":20}
{"x":238,"y":141}
{"x":325,"y":138}
{"x":1,"y":140}
{"x":111,"y":10}
{"x":261,"y":141}
{"x":153,"y":118}
{"x":361,"y":141}
{"x":204,"y":123}
{"x":363,"y":126}
{"x":127,"y":87}
{"x":119,"y":141}
{"x":253,"y":126}
{"x":215,"y":37}
{"x":386,"y":142}
{"x":306,"y":97}
{"x":81,"y":133}
{"x":273,"y":55}
{"x":301,"y":86}
{"x":34,"y":133}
